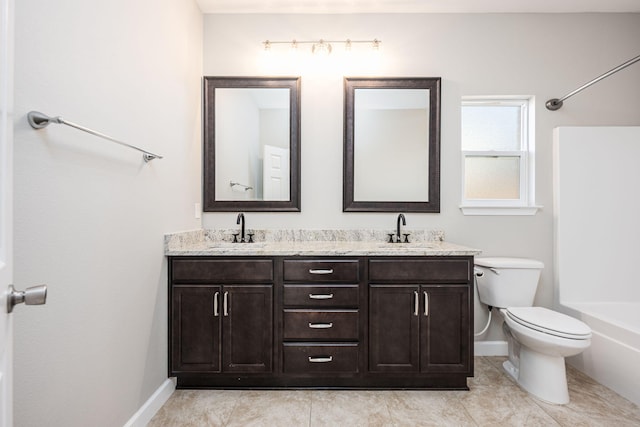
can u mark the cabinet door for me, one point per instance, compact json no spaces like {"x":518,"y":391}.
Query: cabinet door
{"x":247,"y":328}
{"x":195,"y":329}
{"x":444,"y":331}
{"x":393,"y":328}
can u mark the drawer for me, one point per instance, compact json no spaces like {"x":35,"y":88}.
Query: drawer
{"x":321,"y":295}
{"x":321,"y":271}
{"x":420,"y":270}
{"x":321,"y":324}
{"x":321,"y":358}
{"x":222,"y":271}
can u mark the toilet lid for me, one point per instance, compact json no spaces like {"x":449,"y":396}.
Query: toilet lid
{"x":505,"y":262}
{"x":550,"y":322}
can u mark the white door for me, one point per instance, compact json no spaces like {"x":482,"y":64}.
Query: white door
{"x":275,"y":176}
{"x":8,"y":296}
{"x":6,"y":208}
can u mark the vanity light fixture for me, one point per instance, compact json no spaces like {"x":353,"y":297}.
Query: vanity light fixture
{"x":322,"y":46}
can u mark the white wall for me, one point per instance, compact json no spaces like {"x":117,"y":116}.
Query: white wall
{"x":545,"y":56}
{"x":240,"y":132}
{"x":274,"y":127}
{"x":391,"y":158}
{"x":89,"y":214}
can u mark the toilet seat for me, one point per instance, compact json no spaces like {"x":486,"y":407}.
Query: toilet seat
{"x":549,"y":322}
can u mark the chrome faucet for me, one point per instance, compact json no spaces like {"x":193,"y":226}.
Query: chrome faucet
{"x":238,"y":221}
{"x":404,"y":222}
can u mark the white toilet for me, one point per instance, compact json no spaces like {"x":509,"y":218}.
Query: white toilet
{"x":539,"y":339}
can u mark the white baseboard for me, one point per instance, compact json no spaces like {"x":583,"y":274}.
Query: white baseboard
{"x":490,"y":348}
{"x":153,"y":404}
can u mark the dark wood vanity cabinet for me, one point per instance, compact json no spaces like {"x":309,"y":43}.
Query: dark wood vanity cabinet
{"x":420,"y":315}
{"x":346,"y":322}
{"x":416,"y":328}
{"x":221,"y":328}
{"x":216,"y":325}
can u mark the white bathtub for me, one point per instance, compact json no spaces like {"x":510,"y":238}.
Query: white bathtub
{"x":614,"y":356}
{"x":597,"y":248}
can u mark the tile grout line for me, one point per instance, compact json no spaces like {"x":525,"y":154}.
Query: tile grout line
{"x":471,"y":417}
{"x":536,"y":402}
{"x":310,"y":406}
{"x":386,"y":405}
{"x":226,"y":422}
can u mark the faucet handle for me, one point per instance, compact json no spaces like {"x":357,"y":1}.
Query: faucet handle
{"x":406,"y":237}
{"x":250,"y":237}
{"x":235,"y":237}
{"x":390,"y":237}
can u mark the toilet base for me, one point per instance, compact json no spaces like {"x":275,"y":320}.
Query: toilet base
{"x":541,"y":375}
{"x":510,"y":369}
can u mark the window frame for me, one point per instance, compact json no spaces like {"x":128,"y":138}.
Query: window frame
{"x":525,"y":204}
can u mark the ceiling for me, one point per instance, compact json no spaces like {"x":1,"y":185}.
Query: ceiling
{"x":417,"y":6}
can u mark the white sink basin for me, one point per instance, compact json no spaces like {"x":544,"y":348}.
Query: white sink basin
{"x":407,"y":246}
{"x":239,"y":246}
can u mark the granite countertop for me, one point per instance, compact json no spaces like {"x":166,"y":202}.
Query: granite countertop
{"x":312,"y":243}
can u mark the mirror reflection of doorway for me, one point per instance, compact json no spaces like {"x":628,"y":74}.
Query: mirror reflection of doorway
{"x":275,"y":169}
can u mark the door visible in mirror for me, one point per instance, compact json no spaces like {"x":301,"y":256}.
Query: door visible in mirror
{"x":252,"y":152}
{"x":392,"y":145}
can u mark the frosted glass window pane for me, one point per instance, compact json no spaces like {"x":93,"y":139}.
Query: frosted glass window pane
{"x":492,"y":178}
{"x":491,"y":127}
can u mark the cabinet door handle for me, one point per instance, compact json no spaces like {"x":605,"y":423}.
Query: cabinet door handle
{"x":225,"y":304}
{"x":320,"y":296}
{"x":320,"y":359}
{"x":426,"y":303}
{"x":320,"y":325}
{"x":416,"y":303}
{"x":215,"y":304}
{"x":321,"y":271}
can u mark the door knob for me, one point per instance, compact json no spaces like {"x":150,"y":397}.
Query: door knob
{"x":35,"y":295}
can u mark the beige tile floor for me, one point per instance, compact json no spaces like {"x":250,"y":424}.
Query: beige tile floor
{"x":493,"y":400}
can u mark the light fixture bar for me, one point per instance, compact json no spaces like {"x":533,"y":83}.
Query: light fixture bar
{"x":322,"y":43}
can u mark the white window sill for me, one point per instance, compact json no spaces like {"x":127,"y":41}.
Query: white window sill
{"x":499,"y":210}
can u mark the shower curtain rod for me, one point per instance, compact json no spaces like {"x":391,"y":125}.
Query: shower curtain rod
{"x":38,"y":120}
{"x":555,"y":103}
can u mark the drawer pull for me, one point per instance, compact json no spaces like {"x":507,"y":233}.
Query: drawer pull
{"x":320,"y":359}
{"x":321,"y":271}
{"x":416,"y":303}
{"x":426,"y":304}
{"x":225,"y":304}
{"x":320,"y":325}
{"x":320,"y":296}
{"x":215,"y":304}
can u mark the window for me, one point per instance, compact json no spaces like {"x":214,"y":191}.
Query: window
{"x":497,"y":156}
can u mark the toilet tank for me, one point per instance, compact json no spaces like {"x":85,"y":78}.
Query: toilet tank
{"x":507,"y":282}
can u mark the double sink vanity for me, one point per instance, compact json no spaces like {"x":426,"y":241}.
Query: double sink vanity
{"x":320,"y":308}
{"x":300,"y":308}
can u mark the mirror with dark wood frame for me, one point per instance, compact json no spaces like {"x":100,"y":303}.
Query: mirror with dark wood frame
{"x":391,"y":144}
{"x":251,"y":144}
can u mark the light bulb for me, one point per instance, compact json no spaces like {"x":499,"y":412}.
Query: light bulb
{"x":321,"y":48}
